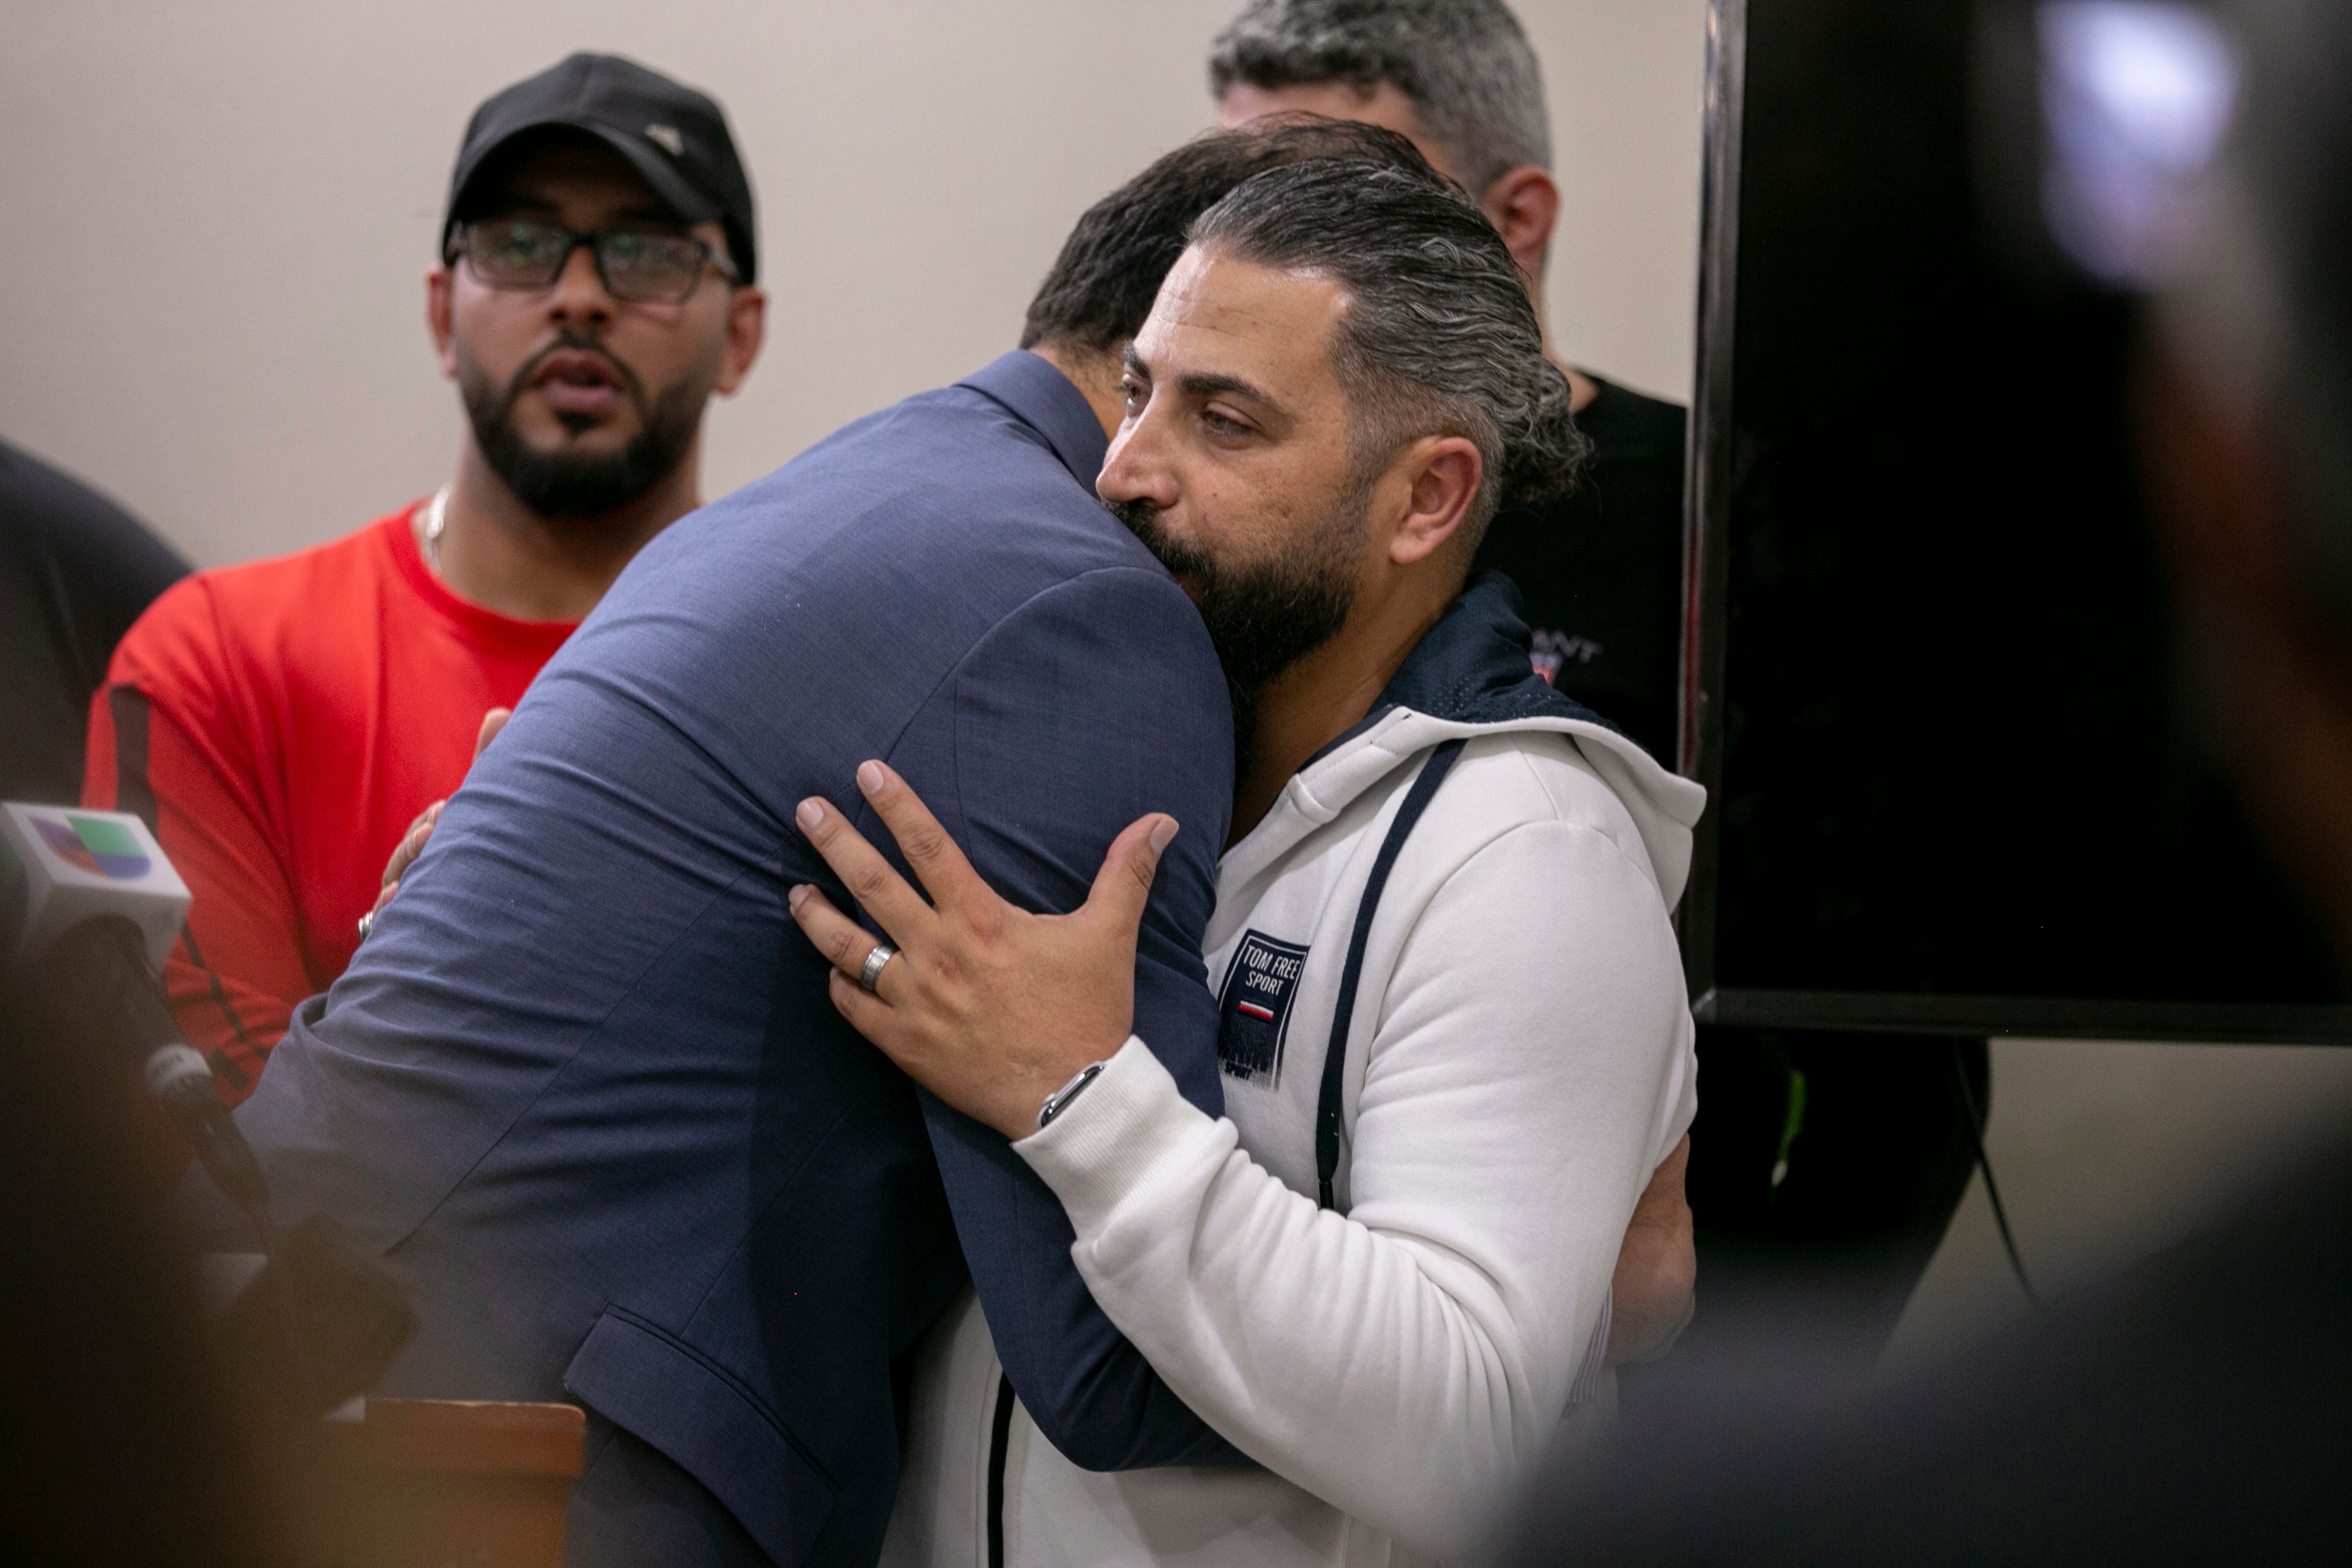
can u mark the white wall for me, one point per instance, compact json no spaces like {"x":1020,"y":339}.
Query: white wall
{"x":219,"y":214}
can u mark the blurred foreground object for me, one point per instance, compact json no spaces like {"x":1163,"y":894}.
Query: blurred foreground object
{"x":121,"y":1444}
{"x":425,"y":1483}
{"x":318,"y":1326}
{"x":2246,"y":424}
{"x":91,"y":906}
{"x":75,"y":571}
{"x":2191,"y":1411}
{"x":116,"y":1448}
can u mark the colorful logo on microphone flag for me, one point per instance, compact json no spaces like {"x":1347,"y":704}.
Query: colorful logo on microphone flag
{"x":94,"y":845}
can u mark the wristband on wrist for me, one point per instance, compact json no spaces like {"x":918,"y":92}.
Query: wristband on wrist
{"x":1059,"y":1100}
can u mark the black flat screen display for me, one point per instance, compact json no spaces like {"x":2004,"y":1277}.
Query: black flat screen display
{"x":1964,"y":751}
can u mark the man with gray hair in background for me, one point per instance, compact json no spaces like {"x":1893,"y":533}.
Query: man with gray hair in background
{"x":1601,"y":568}
{"x":1827,"y":1166}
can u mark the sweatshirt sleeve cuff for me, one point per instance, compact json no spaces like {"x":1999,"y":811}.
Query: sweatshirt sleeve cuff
{"x":1105,"y":1146}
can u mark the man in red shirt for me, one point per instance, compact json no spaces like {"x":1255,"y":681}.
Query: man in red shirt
{"x":282,"y":724}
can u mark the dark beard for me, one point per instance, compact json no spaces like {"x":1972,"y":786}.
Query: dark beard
{"x":576,"y":484}
{"x":1266,"y":617}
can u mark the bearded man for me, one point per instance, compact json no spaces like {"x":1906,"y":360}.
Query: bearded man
{"x":282,"y":724}
{"x":1453,"y":1036}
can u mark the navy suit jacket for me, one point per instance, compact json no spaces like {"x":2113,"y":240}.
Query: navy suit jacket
{"x":584,"y":1082}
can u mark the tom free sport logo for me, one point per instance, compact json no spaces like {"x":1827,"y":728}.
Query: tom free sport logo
{"x":1259,"y":989}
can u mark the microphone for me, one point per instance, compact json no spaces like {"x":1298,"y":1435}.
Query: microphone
{"x":89,"y":909}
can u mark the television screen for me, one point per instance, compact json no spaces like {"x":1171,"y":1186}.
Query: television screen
{"x":1964,"y":767}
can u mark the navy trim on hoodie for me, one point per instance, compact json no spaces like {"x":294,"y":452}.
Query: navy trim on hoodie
{"x":1473,"y":666}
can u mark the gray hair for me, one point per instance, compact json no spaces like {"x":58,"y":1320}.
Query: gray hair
{"x":1465,"y":64}
{"x":1438,"y":336}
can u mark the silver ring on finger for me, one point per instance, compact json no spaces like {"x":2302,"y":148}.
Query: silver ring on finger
{"x":871,"y":975}
{"x":367,"y":924}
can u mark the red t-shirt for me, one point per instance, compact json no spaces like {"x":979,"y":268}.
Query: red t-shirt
{"x":281,"y":723}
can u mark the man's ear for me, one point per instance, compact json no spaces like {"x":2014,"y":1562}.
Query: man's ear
{"x":1444,"y":473}
{"x":1524,"y":204}
{"x":436,"y":319}
{"x":747,"y":329}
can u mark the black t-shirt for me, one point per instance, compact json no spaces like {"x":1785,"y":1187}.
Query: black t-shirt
{"x":75,"y":571}
{"x":1601,"y":570}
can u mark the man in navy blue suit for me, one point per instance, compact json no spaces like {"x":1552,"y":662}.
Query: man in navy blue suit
{"x":583,"y":1083}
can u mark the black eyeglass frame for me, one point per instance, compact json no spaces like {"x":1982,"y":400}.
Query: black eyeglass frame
{"x":712,"y":261}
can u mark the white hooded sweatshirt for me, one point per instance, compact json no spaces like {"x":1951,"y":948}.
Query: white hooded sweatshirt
{"x":1517,"y":1060}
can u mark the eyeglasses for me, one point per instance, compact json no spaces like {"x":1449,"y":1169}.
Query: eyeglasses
{"x":642,"y":269}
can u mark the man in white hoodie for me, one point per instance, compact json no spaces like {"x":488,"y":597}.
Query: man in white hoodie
{"x":1455,"y":1041}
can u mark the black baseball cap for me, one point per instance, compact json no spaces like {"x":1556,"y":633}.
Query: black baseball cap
{"x":674,"y":136}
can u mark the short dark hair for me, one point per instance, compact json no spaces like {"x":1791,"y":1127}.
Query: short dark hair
{"x":1439,"y":336}
{"x":1109,"y":271}
{"x":1465,"y":64}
